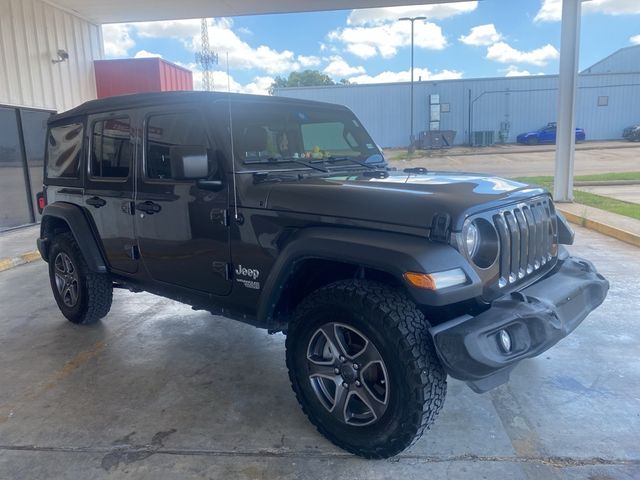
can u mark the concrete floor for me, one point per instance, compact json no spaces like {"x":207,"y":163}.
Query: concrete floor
{"x":160,"y":391}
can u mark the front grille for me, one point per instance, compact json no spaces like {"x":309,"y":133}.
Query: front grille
{"x":527,"y":242}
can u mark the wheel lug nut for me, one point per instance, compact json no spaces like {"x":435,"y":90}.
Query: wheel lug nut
{"x":345,"y":384}
{"x":336,"y":370}
{"x":341,"y":358}
{"x":358,"y":384}
{"x":356,"y":366}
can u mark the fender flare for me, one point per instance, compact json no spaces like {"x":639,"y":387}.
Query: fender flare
{"x":390,"y":252}
{"x":75,"y":218}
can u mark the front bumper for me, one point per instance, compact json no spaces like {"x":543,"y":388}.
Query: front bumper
{"x":536,"y":318}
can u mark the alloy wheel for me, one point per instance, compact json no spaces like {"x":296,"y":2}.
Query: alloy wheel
{"x":348,"y":374}
{"x":66,"y":277}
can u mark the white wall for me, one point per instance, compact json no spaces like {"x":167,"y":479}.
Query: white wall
{"x":31,"y":32}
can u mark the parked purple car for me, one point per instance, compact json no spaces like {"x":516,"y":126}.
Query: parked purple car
{"x":546,"y":135}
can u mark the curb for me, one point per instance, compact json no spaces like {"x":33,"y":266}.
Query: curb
{"x":605,"y":229}
{"x":12,"y":262}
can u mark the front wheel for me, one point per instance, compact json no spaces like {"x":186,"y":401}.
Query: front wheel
{"x":363,"y":367}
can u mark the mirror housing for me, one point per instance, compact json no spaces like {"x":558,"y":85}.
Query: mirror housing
{"x":189,"y":162}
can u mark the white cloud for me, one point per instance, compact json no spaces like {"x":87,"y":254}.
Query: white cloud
{"x":308,"y":61}
{"x":338,"y":68}
{"x":376,"y":16}
{"x":404,"y":76}
{"x":385,"y":40}
{"x":259,"y":86}
{"x":505,"y":53}
{"x":222,"y":39}
{"x":551,"y":10}
{"x":635,"y":39}
{"x":513,"y":71}
{"x":482,"y":35}
{"x":145,"y":54}
{"x":117,"y":40}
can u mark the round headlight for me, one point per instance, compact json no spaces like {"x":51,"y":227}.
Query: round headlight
{"x":481,"y":242}
{"x":471,"y":239}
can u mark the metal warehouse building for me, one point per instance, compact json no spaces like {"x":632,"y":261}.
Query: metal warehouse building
{"x":608,"y":100}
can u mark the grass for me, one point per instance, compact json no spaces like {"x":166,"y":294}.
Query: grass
{"x":609,"y":204}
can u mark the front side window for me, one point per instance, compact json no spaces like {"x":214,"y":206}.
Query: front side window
{"x":111,"y":148}
{"x":171,"y":130}
{"x":64,"y":145}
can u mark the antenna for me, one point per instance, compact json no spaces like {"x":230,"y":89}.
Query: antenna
{"x":205,"y":58}
{"x":233,"y":152}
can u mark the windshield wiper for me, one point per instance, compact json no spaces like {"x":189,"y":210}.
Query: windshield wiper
{"x":350,"y":159}
{"x":272,"y":160}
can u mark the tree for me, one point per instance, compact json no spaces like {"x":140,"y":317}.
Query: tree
{"x":308,"y":78}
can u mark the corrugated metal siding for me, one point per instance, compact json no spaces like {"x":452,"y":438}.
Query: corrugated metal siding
{"x":174,"y":77}
{"x":31,"y":32}
{"x":524,"y":103}
{"x":136,"y":75}
{"x":626,"y":59}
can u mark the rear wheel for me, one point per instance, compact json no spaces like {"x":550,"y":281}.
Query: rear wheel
{"x":83,"y":297}
{"x":532,"y":141}
{"x":363,"y":367}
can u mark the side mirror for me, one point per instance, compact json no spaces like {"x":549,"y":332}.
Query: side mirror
{"x":189,"y":162}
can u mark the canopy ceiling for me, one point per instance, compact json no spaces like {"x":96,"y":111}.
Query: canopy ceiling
{"x":119,"y":11}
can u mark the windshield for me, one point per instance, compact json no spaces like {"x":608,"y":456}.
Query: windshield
{"x":277,"y":134}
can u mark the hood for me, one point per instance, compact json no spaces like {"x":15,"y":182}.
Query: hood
{"x":401,"y":198}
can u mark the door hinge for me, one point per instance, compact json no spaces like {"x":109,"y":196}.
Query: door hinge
{"x":221,"y":216}
{"x":129,"y":207}
{"x":133,"y":252}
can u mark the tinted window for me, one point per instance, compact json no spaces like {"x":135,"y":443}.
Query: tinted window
{"x":111,"y":148}
{"x":329,"y":137}
{"x":63,"y":153}
{"x":171,"y":130}
{"x":279,"y":131}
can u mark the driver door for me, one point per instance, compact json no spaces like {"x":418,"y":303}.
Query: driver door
{"x":181,"y":229}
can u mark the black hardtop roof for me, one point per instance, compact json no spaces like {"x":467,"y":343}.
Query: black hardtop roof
{"x":137,"y":100}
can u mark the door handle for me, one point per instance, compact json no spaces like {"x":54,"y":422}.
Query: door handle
{"x":96,"y":202}
{"x":148,"y":207}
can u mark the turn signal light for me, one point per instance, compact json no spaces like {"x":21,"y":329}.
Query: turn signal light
{"x":420,"y":280}
{"x":437,"y":280}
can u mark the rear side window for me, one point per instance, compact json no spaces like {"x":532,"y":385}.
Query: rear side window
{"x":111,"y":148}
{"x":171,"y":130}
{"x":63,"y":152}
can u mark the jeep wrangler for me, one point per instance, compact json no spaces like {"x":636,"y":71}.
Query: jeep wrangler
{"x":283,"y":214}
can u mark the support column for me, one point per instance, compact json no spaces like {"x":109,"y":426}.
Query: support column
{"x":566,"y":136}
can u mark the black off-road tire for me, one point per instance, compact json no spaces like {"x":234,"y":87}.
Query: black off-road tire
{"x":395,"y":326}
{"x":95,"y":290}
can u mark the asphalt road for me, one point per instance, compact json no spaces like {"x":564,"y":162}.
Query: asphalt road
{"x":157,"y":390}
{"x":518,"y":161}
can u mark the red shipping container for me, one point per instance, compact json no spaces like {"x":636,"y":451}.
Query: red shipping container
{"x":136,"y":75}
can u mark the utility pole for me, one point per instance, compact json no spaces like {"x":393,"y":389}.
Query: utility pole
{"x":412,"y":138}
{"x":205,"y":58}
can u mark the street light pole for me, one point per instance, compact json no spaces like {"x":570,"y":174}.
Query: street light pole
{"x":412,"y":138}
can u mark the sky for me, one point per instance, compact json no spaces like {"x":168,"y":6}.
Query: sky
{"x":489,"y":38}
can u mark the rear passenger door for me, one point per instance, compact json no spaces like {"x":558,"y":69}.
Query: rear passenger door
{"x":182,"y":230}
{"x":108,"y":194}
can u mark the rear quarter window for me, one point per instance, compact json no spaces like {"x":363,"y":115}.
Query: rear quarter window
{"x":64,"y":146}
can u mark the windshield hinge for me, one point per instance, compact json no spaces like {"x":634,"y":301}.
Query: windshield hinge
{"x":440,"y":228}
